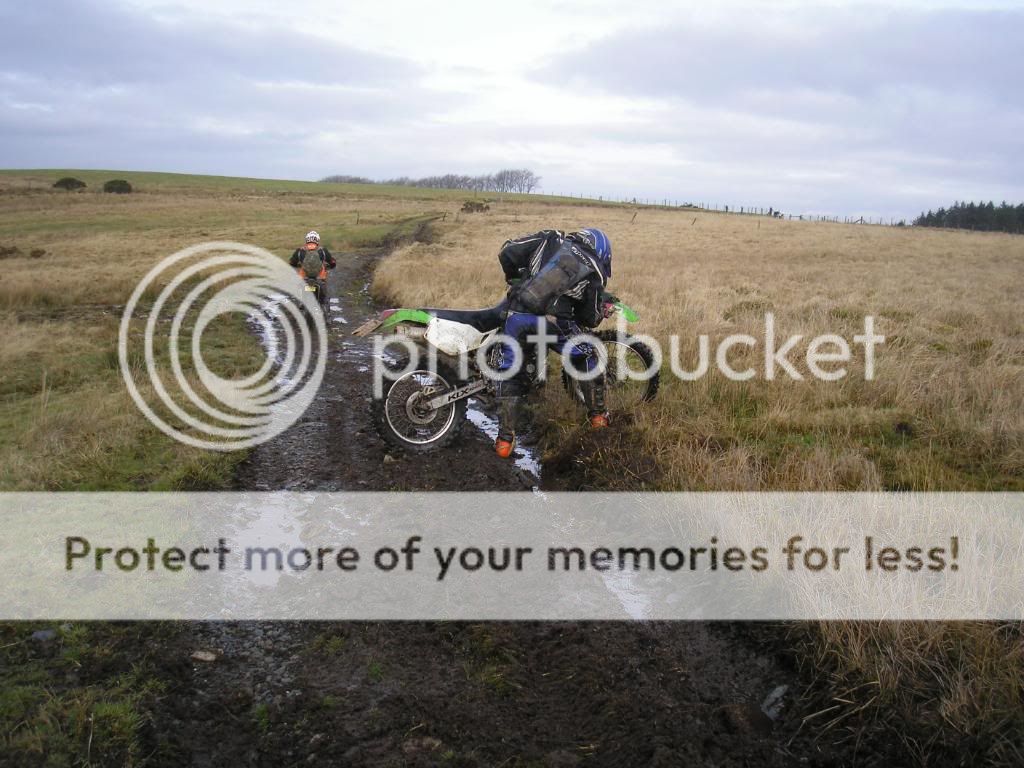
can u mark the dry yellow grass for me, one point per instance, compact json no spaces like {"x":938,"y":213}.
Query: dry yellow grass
{"x":943,"y":411}
{"x":67,"y":421}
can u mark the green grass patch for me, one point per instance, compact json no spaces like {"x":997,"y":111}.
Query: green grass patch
{"x":375,"y":672}
{"x":78,"y":699}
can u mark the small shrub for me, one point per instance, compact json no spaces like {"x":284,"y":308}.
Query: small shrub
{"x":117,"y":186}
{"x":472,"y":206}
{"x":70,"y":183}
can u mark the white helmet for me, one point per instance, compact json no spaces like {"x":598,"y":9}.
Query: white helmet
{"x":313,"y":237}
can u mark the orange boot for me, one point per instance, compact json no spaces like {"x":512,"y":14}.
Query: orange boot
{"x":504,"y":445}
{"x":510,"y":410}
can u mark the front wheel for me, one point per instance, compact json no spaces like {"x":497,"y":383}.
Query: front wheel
{"x":621,"y":356}
{"x":405,"y":422}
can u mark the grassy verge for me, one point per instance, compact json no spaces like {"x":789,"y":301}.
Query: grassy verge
{"x":946,"y":690}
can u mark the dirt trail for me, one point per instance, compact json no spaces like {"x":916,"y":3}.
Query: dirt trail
{"x":444,"y":693}
{"x":334,"y":446}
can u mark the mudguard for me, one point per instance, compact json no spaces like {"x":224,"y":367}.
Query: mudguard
{"x":390,"y":318}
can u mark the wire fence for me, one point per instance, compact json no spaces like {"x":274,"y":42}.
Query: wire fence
{"x":739,"y":210}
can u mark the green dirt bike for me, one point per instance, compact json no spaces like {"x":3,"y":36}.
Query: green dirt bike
{"x":312,"y":272}
{"x":423,"y":410}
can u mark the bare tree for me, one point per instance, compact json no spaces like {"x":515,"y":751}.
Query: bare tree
{"x":530,"y":181}
{"x":521,"y":180}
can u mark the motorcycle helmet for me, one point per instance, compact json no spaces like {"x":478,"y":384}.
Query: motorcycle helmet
{"x":598,"y":242}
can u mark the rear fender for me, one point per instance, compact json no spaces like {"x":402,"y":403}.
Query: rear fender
{"x":395,"y":320}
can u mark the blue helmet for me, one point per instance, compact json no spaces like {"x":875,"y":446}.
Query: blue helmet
{"x":599,"y":243}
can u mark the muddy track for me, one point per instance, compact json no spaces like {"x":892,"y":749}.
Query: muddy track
{"x":448,"y":693}
{"x":334,"y":446}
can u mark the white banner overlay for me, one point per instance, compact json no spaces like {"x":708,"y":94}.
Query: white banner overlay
{"x":475,"y":556}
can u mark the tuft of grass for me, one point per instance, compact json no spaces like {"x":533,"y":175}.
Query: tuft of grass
{"x":490,"y":661}
{"x":933,"y":685}
{"x":330,"y":643}
{"x":261,"y":716}
{"x":74,"y":700}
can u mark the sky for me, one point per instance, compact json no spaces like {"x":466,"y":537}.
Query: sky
{"x":830,"y":108}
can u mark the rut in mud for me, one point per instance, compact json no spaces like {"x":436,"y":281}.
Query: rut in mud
{"x":419,"y":693}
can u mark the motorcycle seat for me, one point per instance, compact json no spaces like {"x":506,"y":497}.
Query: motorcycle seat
{"x":482,"y":319}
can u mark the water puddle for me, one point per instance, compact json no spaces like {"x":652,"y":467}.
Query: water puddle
{"x":620,"y":583}
{"x":525,"y":458}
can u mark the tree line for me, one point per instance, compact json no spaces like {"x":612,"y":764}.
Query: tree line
{"x":984,"y":217}
{"x":508,"y":180}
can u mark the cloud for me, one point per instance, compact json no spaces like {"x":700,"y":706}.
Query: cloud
{"x":922,"y":101}
{"x":92,"y":42}
{"x":839,"y":109}
{"x":853,"y":52}
{"x":88,"y":83}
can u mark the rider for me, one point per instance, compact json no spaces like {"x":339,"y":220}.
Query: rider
{"x":561,"y":277}
{"x":313,"y":244}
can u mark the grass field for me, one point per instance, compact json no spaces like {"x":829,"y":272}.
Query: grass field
{"x":66,"y":419}
{"x":943,"y":413}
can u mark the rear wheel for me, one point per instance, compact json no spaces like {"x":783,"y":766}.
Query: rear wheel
{"x":404,"y":420}
{"x":622,"y":356}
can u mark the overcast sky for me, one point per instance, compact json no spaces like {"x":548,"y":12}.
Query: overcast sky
{"x":839,"y":107}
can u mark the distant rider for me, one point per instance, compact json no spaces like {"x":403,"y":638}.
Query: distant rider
{"x":298,"y":259}
{"x":561,"y":277}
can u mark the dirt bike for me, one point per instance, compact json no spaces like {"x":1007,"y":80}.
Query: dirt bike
{"x":313,"y":273}
{"x":423,"y":410}
{"x":317,"y":287}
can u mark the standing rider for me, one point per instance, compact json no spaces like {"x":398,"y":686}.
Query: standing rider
{"x":298,"y":259}
{"x":560,"y":278}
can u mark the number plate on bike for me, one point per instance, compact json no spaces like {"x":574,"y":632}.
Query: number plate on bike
{"x":311,"y":288}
